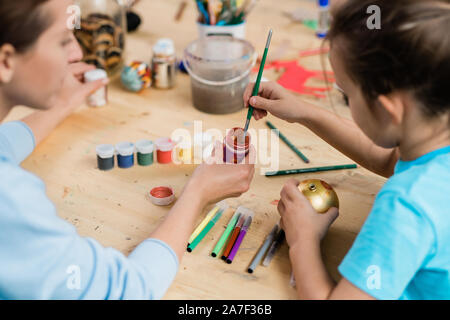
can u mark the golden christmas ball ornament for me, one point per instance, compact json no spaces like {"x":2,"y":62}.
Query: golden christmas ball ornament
{"x":320,"y":194}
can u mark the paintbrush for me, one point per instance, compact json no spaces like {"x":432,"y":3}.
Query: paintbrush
{"x":258,"y":80}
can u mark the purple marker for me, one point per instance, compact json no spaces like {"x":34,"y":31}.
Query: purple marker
{"x":241,"y":236}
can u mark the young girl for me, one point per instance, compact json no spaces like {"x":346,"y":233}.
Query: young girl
{"x":42,"y":256}
{"x":396,"y":79}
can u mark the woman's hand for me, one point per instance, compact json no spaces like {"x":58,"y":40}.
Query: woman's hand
{"x":299,"y":220}
{"x":214,"y":180}
{"x":275,"y":99}
{"x":74,"y":91}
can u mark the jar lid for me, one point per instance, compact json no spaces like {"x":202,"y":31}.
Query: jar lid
{"x":164,"y":47}
{"x":145,"y":146}
{"x":125,"y":148}
{"x":105,"y":151}
{"x":164,"y":144}
{"x":162,"y":196}
{"x":95,"y":75}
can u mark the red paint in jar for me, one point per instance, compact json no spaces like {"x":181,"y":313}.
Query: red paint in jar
{"x":161,"y":192}
{"x":236,"y":146}
{"x":164,"y":150}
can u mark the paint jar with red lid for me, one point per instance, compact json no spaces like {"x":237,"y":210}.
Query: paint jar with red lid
{"x":236,"y":145}
{"x":164,"y":150}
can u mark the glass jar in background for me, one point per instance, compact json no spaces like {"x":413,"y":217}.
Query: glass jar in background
{"x":164,"y":64}
{"x":102,"y":33}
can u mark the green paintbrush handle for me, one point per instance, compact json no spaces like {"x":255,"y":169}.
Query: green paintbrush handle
{"x":309,"y":170}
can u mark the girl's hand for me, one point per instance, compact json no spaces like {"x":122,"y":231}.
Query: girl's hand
{"x":214,"y":181}
{"x":74,"y":91}
{"x":275,"y":99}
{"x":299,"y":220}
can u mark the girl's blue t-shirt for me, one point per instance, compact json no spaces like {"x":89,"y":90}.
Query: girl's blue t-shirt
{"x":403,"y":249}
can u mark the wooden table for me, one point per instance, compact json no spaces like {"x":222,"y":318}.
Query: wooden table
{"x":112,"y":207}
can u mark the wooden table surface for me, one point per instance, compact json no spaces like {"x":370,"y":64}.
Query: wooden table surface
{"x":112,"y":207}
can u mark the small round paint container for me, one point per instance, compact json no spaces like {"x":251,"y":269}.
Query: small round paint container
{"x":125,"y":155}
{"x":105,"y":157}
{"x":162,"y":196}
{"x":164,"y":150}
{"x":100,"y":97}
{"x":236,"y":145}
{"x":202,"y":146}
{"x":145,"y":152}
{"x":184,"y":152}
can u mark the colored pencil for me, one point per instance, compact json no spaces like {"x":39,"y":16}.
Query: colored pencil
{"x":286,"y":140}
{"x":239,"y":239}
{"x":262,"y":251}
{"x":274,"y":248}
{"x":226,"y":234}
{"x":233,"y":237}
{"x":205,"y":231}
{"x":308,"y":170}
{"x":258,"y":80}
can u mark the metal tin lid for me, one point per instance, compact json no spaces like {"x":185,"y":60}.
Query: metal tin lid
{"x":162,"y":196}
{"x":145,"y":146}
{"x":105,"y":151}
{"x":125,"y":148}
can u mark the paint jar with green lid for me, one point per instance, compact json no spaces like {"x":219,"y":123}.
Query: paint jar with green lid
{"x":145,"y":152}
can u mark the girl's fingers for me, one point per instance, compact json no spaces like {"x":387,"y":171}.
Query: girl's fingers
{"x":281,"y":208}
{"x":248,"y":93}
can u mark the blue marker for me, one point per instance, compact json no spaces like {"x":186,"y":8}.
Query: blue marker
{"x":324,"y":15}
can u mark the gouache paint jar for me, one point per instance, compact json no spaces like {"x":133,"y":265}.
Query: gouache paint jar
{"x":100,"y":97}
{"x":202,"y":146}
{"x":145,"y":152}
{"x":164,"y":150}
{"x":236,"y":145}
{"x":125,"y":155}
{"x":105,"y":157}
{"x":184,"y":152}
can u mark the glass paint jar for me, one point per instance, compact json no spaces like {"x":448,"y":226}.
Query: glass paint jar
{"x":164,"y":64}
{"x":100,"y":97}
{"x":184,"y":152}
{"x":236,"y":146}
{"x":125,"y":155}
{"x":145,"y":152}
{"x":202,"y":146}
{"x":105,"y":157}
{"x":164,"y":150}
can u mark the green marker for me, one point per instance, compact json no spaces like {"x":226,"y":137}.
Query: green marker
{"x":308,"y":170}
{"x":258,"y":80}
{"x":226,"y":234}
{"x":205,"y":231}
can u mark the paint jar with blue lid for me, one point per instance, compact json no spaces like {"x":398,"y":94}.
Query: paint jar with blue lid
{"x":145,"y":152}
{"x":125,"y":155}
{"x":105,"y":157}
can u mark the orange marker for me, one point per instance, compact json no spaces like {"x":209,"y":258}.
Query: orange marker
{"x":233,"y":237}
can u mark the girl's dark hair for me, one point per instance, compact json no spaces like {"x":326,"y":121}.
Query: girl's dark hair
{"x":410,"y":52}
{"x":21,"y":23}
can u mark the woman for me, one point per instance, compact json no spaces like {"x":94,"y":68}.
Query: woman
{"x":42,"y":255}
